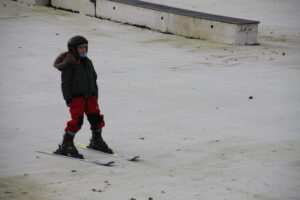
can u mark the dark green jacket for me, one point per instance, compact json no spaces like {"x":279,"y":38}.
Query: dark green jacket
{"x":78,"y":77}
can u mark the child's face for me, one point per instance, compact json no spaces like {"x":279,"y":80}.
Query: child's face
{"x":81,"y":49}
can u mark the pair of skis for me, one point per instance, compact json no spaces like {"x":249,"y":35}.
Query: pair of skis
{"x":83,"y":146}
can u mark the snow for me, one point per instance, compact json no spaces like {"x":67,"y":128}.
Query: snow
{"x":181,"y":104}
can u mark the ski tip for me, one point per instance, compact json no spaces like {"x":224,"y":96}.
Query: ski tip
{"x":135,"y":158}
{"x":107,"y":164}
{"x":110,"y":163}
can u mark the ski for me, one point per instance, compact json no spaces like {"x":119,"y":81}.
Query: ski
{"x":117,"y":155}
{"x":83,"y":160}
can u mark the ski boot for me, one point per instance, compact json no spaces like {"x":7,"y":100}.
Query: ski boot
{"x":67,"y":148}
{"x":97,"y":142}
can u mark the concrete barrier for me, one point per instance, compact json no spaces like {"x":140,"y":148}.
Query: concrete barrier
{"x":132,"y":14}
{"x":35,"y":2}
{"x":227,"y":30}
{"x":177,"y":21}
{"x":86,"y":7}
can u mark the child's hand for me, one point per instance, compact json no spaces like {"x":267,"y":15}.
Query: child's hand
{"x":68,"y":103}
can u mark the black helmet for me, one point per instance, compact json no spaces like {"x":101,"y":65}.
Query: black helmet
{"x":75,"y":41}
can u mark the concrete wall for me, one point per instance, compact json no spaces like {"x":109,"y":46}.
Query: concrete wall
{"x":35,"y":2}
{"x":132,"y":15}
{"x":165,"y":19}
{"x":85,"y":7}
{"x":194,"y":27}
{"x":227,"y":33}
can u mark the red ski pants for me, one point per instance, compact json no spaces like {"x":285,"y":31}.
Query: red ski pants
{"x":90,"y":107}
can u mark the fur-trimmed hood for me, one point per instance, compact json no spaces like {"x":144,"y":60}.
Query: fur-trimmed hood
{"x":65,"y":59}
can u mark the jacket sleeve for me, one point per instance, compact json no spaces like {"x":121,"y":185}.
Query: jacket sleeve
{"x":95,"y":79}
{"x":95,"y":75}
{"x":66,"y":84}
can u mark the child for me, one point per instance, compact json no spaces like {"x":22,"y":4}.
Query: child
{"x":80,"y":91}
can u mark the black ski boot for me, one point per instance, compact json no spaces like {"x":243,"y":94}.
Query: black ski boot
{"x":67,"y":148}
{"x":97,"y":142}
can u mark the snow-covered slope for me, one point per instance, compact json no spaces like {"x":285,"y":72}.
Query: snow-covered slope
{"x":183,"y":105}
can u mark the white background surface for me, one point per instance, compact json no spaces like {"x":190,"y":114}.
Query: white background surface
{"x":181,"y":104}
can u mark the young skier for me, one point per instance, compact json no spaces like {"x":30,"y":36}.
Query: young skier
{"x":80,"y":91}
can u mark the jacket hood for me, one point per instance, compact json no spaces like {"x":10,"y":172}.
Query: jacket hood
{"x":64,"y":59}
